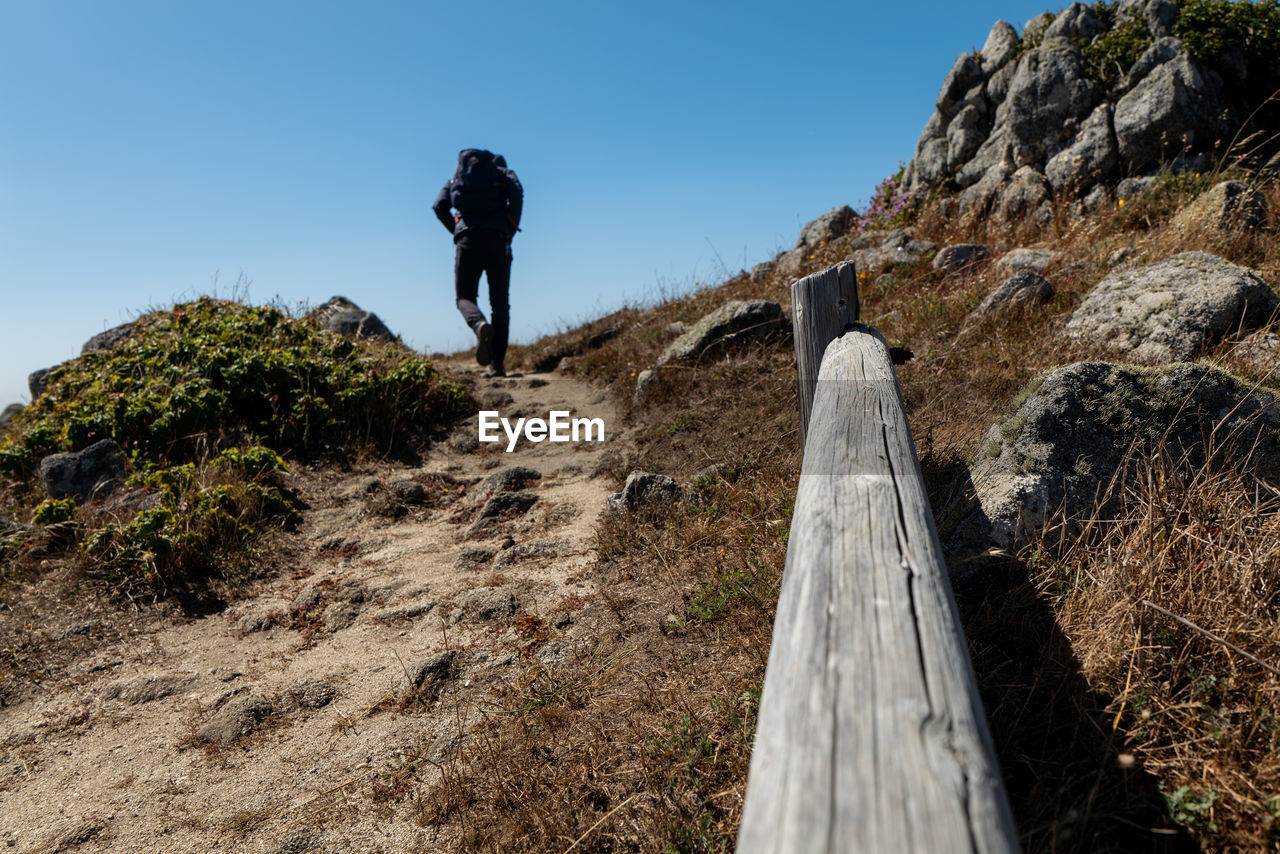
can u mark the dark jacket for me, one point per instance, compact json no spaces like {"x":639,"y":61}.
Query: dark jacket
{"x":507,"y":222}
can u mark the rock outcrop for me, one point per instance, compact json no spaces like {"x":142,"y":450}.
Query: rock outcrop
{"x":1068,"y":433}
{"x":1034,"y":117}
{"x":344,"y":317}
{"x":1169,"y":310}
{"x":89,"y":473}
{"x":734,"y":323}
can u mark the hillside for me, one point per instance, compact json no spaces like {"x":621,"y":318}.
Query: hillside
{"x":304,"y":609}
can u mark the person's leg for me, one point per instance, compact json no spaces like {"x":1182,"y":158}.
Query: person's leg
{"x":469,"y":263}
{"x":498,"y":272}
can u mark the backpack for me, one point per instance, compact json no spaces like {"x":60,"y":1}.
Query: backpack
{"x":478,"y":186}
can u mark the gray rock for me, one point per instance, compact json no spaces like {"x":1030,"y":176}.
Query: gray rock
{"x":425,"y":677}
{"x":1227,"y":206}
{"x":344,"y":317}
{"x":713,"y":474}
{"x":507,"y":480}
{"x":145,"y":689}
{"x":1169,"y":310}
{"x":961,"y":255}
{"x":38,"y":381}
{"x":1026,"y":259}
{"x":643,"y":488}
{"x":10,"y":412}
{"x":539,"y":551}
{"x":1260,"y":353}
{"x":996,"y":153}
{"x":235,"y":720}
{"x":1160,"y":15}
{"x":298,"y":842}
{"x":1175,"y":108}
{"x":1000,"y":46}
{"x":880,"y":258}
{"x":733,"y":323}
{"x":1066,"y":437}
{"x":1091,"y":157}
{"x":1076,"y":22}
{"x":965,"y":135}
{"x":827,"y":227}
{"x":1023,"y":289}
{"x":1130,"y":189}
{"x":111,"y":338}
{"x":977,"y":197}
{"x":790,"y":263}
{"x":677,"y":328}
{"x":92,"y":472}
{"x":1160,"y":52}
{"x":506,"y":505}
{"x":965,"y":73}
{"x":408,"y":491}
{"x":339,"y":615}
{"x":312,"y":693}
{"x":1050,"y":94}
{"x":1123,"y":255}
{"x":643,"y":380}
{"x":930,"y":164}
{"x":488,"y":603}
{"x":1023,"y":197}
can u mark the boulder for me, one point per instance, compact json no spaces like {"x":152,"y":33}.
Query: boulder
{"x":89,"y":473}
{"x":507,"y":480}
{"x":111,"y":338}
{"x":832,"y":224}
{"x":1160,"y":16}
{"x":344,"y":317}
{"x":965,"y":135}
{"x":960,"y":256}
{"x":1026,"y":196}
{"x":1020,"y":291}
{"x":1068,"y":432}
{"x":1160,"y":52}
{"x":733,"y":323}
{"x":1000,"y":46}
{"x":1091,"y":157}
{"x":488,"y":603}
{"x":1050,"y":94}
{"x":38,"y":381}
{"x":965,"y":73}
{"x":1133,"y":188}
{"x":10,"y":412}
{"x":1076,"y":22}
{"x":897,"y":247}
{"x":643,"y":488}
{"x":1175,"y":108}
{"x":1025,"y":259}
{"x":977,"y":197}
{"x":1168,"y":310}
{"x":1227,"y":206}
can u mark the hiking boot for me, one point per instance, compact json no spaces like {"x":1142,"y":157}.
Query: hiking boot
{"x":496,"y":371}
{"x":484,"y":343}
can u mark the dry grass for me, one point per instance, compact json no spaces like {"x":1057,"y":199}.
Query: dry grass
{"x":1171,"y":606}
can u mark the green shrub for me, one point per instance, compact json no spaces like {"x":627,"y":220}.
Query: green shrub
{"x":54,"y":510}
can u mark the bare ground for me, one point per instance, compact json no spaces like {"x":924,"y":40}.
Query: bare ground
{"x":274,"y":725}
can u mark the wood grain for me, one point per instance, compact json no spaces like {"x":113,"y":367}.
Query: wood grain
{"x":871,"y":736}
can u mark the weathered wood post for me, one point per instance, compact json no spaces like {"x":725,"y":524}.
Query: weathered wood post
{"x":822,"y":307}
{"x":871,"y":735}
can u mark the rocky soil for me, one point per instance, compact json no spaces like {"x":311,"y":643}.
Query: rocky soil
{"x":408,"y":594}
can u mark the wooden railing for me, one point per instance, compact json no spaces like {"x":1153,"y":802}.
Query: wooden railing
{"x":871,"y":734}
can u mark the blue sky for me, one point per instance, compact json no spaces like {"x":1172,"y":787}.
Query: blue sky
{"x":155,"y":150}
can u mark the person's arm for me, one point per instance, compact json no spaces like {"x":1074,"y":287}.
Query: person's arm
{"x":442,"y":206}
{"x":515,"y":199}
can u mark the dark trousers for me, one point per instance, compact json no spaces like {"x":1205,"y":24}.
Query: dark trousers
{"x":487,"y":252}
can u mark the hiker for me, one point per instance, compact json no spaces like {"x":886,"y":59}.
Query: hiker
{"x":488,"y":200}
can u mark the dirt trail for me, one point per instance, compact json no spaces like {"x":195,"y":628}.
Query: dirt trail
{"x":276,"y":725}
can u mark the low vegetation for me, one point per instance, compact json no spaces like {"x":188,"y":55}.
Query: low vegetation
{"x":207,"y":400}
